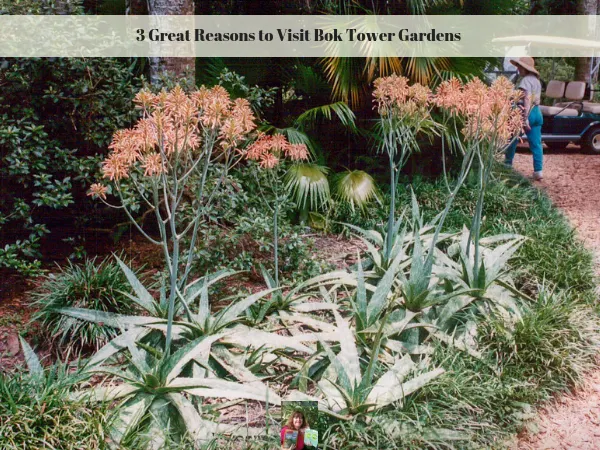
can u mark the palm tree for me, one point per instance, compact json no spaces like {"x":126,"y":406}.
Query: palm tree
{"x":351,"y":78}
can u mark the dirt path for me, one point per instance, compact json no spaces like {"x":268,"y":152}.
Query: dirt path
{"x":572,"y":180}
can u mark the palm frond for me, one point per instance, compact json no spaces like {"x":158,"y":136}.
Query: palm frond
{"x":423,"y":70}
{"x":309,"y":81}
{"x":345,"y":76}
{"x":343,"y":112}
{"x":307,"y":184}
{"x":356,"y":188}
{"x":421,"y":6}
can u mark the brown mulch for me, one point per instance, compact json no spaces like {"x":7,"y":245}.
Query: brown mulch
{"x":572,"y":181}
{"x":15,"y":313}
{"x":335,"y":250}
{"x":15,"y":291}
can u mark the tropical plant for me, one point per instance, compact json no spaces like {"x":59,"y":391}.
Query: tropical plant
{"x":404,"y":112}
{"x":177,"y":136}
{"x":492,"y":273}
{"x":349,"y":390}
{"x":490,"y":120}
{"x":355,"y":188}
{"x":308,"y":186}
{"x":156,"y":400}
{"x":214,"y":355}
{"x":194,"y":319}
{"x":99,"y":286}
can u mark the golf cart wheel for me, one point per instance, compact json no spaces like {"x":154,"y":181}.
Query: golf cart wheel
{"x":556,"y":145}
{"x":591,"y":141}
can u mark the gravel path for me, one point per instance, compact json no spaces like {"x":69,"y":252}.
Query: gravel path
{"x":572,"y":180}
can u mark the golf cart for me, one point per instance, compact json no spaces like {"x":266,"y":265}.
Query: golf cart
{"x":572,"y":117}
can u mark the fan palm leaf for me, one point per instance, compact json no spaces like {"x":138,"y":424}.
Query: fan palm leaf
{"x":310,"y":117}
{"x":356,"y":188}
{"x":351,"y":77}
{"x":307,"y":184}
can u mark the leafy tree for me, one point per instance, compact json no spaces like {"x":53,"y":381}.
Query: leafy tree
{"x":56,"y":119}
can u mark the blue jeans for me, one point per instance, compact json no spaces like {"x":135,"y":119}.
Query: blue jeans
{"x":534,"y":137}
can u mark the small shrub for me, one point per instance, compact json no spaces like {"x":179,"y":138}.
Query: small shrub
{"x":36,"y":414}
{"x":100,"y":287}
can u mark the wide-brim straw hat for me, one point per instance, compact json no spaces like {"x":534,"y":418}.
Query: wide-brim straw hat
{"x":526,"y":62}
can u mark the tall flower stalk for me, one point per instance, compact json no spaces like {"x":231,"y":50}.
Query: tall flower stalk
{"x":178,"y":136}
{"x":269,"y":151}
{"x":404,"y":112}
{"x":478,"y":120}
{"x":488,"y":120}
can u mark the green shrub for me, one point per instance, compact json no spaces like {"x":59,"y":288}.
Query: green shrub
{"x":99,"y":286}
{"x":17,"y":7}
{"x":57,"y":117}
{"x":237,"y":231}
{"x":38,"y":413}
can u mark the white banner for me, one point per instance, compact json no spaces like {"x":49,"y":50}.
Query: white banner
{"x":298,"y":36}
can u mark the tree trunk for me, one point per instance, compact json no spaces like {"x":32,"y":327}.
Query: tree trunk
{"x":583,"y":65}
{"x":179,"y":67}
{"x":582,"y":69}
{"x":587,"y":7}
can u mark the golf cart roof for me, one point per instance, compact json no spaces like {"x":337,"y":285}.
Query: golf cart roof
{"x":549,"y":41}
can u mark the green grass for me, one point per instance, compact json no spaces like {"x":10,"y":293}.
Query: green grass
{"x":548,"y":352}
{"x":99,"y":285}
{"x":36,"y":414}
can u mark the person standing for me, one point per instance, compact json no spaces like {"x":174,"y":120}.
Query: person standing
{"x":531,"y":86}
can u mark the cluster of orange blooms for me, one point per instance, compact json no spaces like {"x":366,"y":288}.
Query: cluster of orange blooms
{"x":268,"y":150}
{"x":395,"y":96}
{"x":176,"y":124}
{"x":487,"y":111}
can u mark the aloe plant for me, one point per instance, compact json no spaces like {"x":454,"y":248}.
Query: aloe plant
{"x":350,"y":387}
{"x":154,"y":395}
{"x":193,"y":320}
{"x":487,"y":281}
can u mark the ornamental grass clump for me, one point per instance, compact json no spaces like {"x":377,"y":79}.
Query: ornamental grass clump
{"x":100,"y":286}
{"x":36,"y":410}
